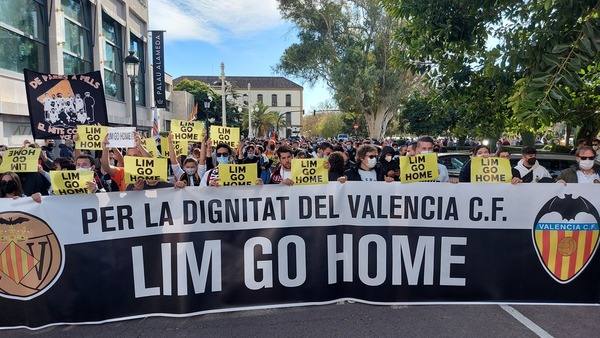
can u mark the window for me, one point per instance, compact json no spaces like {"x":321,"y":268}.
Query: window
{"x":77,"y":52}
{"x":113,"y":58}
{"x":168,"y":105}
{"x":274,"y":100}
{"x":288,"y":100}
{"x":259,"y":98}
{"x":23,"y":35}
{"x":137,"y":45}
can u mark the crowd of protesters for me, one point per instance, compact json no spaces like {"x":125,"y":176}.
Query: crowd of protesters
{"x":350,"y":160}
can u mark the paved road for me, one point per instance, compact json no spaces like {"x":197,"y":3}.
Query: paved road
{"x":355,"y":320}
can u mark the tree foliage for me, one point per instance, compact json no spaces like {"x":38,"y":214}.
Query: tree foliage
{"x":540,"y":51}
{"x":202,"y":91}
{"x":349,"y":45}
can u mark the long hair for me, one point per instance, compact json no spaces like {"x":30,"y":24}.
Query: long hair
{"x":17,"y":180}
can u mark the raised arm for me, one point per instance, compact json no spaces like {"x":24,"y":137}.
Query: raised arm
{"x":172,"y":156}
{"x":104,"y":159}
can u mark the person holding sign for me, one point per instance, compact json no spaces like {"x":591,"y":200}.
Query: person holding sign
{"x":193,"y":169}
{"x":145,"y":173}
{"x":486,"y":169}
{"x":367,"y":168}
{"x":224,"y":155}
{"x":528,"y":170}
{"x":465,"y":171}
{"x":425,"y":146}
{"x":117,"y":174}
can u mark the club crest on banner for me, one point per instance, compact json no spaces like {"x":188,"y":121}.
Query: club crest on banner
{"x":30,"y":255}
{"x":565,"y":236}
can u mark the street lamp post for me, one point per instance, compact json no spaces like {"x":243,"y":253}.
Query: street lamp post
{"x":250,"y":131}
{"x":223,"y":98}
{"x":207,"y":103}
{"x":132,"y":65}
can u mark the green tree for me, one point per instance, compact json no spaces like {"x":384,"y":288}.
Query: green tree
{"x":349,"y":45}
{"x":262,"y":119}
{"x":542,"y":48}
{"x":202,"y":91}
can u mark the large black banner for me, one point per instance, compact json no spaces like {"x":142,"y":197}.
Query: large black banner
{"x":180,"y":253}
{"x":158,"y":68}
{"x":58,"y":103}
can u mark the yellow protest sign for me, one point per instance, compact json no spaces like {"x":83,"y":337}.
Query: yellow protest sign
{"x":145,"y":168}
{"x":310,"y":171}
{"x":190,"y":131}
{"x":238,"y":174}
{"x":20,"y":160}
{"x":90,"y":137}
{"x":150,"y":145}
{"x":419,"y":168}
{"x":71,"y":182}
{"x":490,"y":170}
{"x":229,"y":136}
{"x":180,"y":147}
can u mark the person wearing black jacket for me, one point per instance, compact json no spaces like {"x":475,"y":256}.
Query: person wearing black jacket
{"x":367,"y":168}
{"x":465,"y":172}
{"x":389,"y":164}
{"x":337,"y":165}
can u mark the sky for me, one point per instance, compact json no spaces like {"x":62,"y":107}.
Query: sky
{"x":249,"y":36}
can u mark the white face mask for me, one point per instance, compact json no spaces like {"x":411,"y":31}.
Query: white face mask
{"x":83,"y":169}
{"x":426,"y":152}
{"x":190,"y":171}
{"x":372,"y":162}
{"x":586,"y":164}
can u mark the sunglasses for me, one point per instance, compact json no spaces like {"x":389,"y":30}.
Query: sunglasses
{"x":587,"y":158}
{"x":372,"y":156}
{"x":222,"y":154}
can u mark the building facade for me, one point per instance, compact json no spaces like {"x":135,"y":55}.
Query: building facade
{"x":70,"y":37}
{"x":278,"y":93}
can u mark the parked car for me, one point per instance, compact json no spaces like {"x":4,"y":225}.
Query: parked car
{"x":343,"y":137}
{"x":554,"y":162}
{"x":453,"y":162}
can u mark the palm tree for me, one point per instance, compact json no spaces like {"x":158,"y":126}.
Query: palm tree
{"x":262,"y":119}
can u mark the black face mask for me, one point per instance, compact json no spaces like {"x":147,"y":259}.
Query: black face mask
{"x":8,"y":187}
{"x":50,"y":146}
{"x":531,"y":161}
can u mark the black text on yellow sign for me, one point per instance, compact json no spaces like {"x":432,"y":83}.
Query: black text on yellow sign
{"x":309,"y":171}
{"x":70,"y":182}
{"x":145,"y":168}
{"x":20,"y":160}
{"x":229,"y":136}
{"x":90,"y":137}
{"x":490,"y":170}
{"x":191,"y":131}
{"x":238,"y":174}
{"x":419,"y":168}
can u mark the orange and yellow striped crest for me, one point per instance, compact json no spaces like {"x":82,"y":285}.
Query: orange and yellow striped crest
{"x":16,"y":262}
{"x":565,"y":234}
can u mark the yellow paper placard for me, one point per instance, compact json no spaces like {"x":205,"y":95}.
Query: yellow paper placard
{"x":238,"y":174}
{"x":490,"y":170}
{"x":310,"y":171}
{"x":190,"y":131}
{"x":229,"y":136}
{"x":179,"y":146}
{"x":419,"y":168}
{"x":20,"y":160}
{"x":150,"y":145}
{"x":90,"y":137}
{"x":145,"y":168}
{"x":71,"y":182}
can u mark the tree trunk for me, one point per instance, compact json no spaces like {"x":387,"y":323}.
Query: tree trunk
{"x":568,"y":136}
{"x":377,"y":123}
